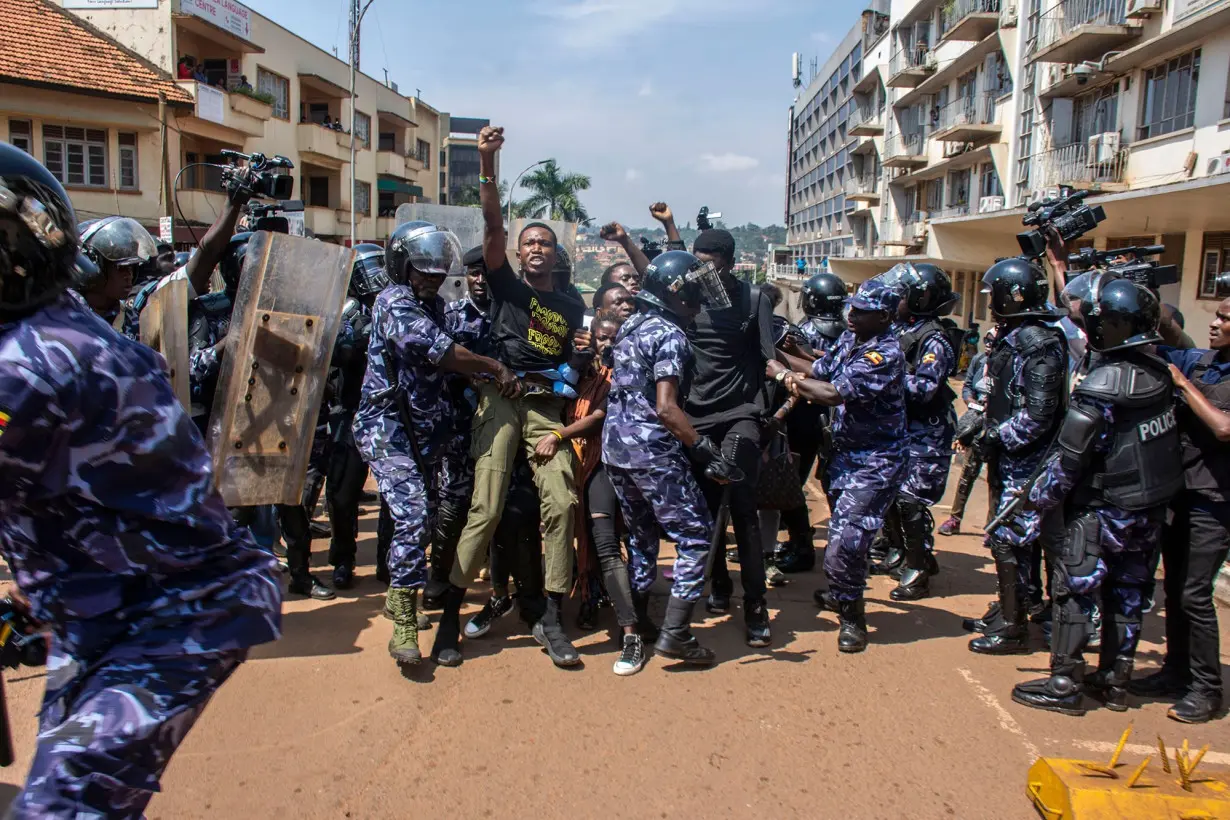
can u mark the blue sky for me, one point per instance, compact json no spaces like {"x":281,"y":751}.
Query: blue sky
{"x":681,"y":100}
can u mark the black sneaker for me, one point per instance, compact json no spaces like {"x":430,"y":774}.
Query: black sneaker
{"x":495,"y":608}
{"x":756,"y":617}
{"x":320,"y":529}
{"x":551,"y":637}
{"x":632,"y":657}
{"x":343,"y":576}
{"x":311,"y":588}
{"x":1196,"y":707}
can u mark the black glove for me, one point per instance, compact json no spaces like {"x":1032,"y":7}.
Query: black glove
{"x":704,"y":452}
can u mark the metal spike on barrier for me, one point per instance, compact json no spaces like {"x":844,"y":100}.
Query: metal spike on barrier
{"x":1161,"y":747}
{"x":1144,"y":764}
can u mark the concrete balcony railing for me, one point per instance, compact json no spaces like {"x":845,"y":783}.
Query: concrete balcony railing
{"x":865,"y":121}
{"x":957,"y":209}
{"x":1076,"y":166}
{"x":967,"y":119}
{"x":969,"y":19}
{"x":903,"y":150}
{"x":322,"y":146}
{"x":865,"y":187}
{"x":910,"y":66}
{"x":392,"y":164}
{"x":217,"y":109}
{"x":1075,"y":30}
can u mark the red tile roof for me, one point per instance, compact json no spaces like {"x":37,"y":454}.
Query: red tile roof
{"x":48,"y":47}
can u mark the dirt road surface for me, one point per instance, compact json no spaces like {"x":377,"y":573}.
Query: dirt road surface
{"x":322,"y":724}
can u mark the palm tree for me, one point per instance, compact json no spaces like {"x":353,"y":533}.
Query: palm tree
{"x":554,"y":194}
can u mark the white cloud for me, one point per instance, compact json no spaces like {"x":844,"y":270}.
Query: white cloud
{"x":646,"y":89}
{"x":823,"y":38}
{"x":727,"y":163}
{"x":632,"y":175}
{"x":603,"y":24}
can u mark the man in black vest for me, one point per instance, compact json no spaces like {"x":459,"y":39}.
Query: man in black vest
{"x":1117,"y":466}
{"x":1028,"y":395}
{"x":930,"y":359}
{"x":1195,"y":545}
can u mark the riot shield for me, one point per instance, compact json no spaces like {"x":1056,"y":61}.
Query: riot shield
{"x":465,"y":223}
{"x":164,"y":327}
{"x":287,"y":315}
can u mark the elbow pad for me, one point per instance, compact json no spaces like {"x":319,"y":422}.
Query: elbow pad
{"x":1077,"y":436}
{"x":1044,"y":384}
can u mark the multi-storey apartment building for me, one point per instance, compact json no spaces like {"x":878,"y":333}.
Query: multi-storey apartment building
{"x":994,"y":104}
{"x":238,"y":81}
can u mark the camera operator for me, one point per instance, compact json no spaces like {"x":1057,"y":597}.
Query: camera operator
{"x":1196,"y":542}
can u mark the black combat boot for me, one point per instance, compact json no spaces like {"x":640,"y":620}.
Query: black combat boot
{"x":549,"y":632}
{"x":1063,"y":691}
{"x":915,"y":581}
{"x":798,"y":554}
{"x":446,"y":651}
{"x":1008,"y":634}
{"x":1167,"y":683}
{"x":1110,"y":683}
{"x":989,"y":620}
{"x":853,"y":634}
{"x":825,"y":600}
{"x":676,"y":640}
{"x":645,"y":627}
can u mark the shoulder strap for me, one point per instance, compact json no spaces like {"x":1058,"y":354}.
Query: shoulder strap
{"x":1202,"y":364}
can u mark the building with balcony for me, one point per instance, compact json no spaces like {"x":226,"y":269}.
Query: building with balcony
{"x":239,"y":81}
{"x":460,"y":177}
{"x":993,"y":105}
{"x":836,"y":141}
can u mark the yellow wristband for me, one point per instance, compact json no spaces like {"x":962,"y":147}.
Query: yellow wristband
{"x":557,"y":434}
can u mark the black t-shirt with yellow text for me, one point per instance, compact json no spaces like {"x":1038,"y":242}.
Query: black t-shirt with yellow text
{"x":531,"y":330}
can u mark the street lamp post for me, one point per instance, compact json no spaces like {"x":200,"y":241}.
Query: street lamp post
{"x":516,"y":182}
{"x":356,"y":19}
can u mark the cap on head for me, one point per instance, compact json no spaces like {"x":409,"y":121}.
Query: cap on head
{"x":875,"y":295}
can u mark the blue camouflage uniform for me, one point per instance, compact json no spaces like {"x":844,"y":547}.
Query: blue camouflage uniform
{"x":470,"y":327}
{"x":647,"y":465}
{"x":869,"y":443}
{"x":930,"y":437}
{"x":820,"y":344}
{"x":407,"y":345}
{"x":112,"y":527}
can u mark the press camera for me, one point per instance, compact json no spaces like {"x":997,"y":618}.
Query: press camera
{"x":1068,"y":214}
{"x":263,"y":180}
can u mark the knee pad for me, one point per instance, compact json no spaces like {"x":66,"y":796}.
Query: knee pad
{"x":1081,"y":554}
{"x":914,"y":515}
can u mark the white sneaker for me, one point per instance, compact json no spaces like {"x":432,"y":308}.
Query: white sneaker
{"x":631,"y":657}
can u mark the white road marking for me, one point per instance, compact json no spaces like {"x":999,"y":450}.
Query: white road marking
{"x":1220,"y":758}
{"x":1006,"y":721}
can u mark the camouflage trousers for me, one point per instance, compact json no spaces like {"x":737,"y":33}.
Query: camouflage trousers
{"x":664,"y":498}
{"x":412,"y":501}
{"x":857,"y":515}
{"x":105,"y":742}
{"x":926,"y":477}
{"x":456,"y":473}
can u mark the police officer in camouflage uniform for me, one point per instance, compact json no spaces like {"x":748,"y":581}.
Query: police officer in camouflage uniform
{"x":930,"y":353}
{"x":1117,"y":465}
{"x":405,"y":417}
{"x":347,"y":471}
{"x":118,"y":247}
{"x":111,"y":526}
{"x":647,"y":441}
{"x":1027,"y":371}
{"x":823,"y":299}
{"x":466,"y":320}
{"x":862,"y":381}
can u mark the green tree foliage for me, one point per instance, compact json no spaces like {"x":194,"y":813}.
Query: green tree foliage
{"x":554,"y":194}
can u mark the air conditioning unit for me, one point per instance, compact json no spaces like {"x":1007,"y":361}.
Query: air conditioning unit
{"x":1103,"y":148}
{"x":1143,"y":8}
{"x":1218,"y":165}
{"x":987,"y":204}
{"x":1043,"y":194}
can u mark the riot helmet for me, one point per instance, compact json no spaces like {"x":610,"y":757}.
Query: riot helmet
{"x":181,"y":259}
{"x":368,"y":276}
{"x":423,"y":247}
{"x":824,"y":296}
{"x":119,"y":240}
{"x":928,"y":290}
{"x":679,"y":283}
{"x":1120,"y":314}
{"x":38,"y":234}
{"x":1017,"y":287}
{"x":231,"y":266}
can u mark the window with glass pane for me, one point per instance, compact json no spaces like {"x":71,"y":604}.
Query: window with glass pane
{"x":277,"y":87}
{"x":363,"y":198}
{"x":21,"y":134}
{"x":128,"y":161}
{"x":988,"y":182}
{"x":1213,"y":262}
{"x":1095,"y":113}
{"x":363,"y":129}
{"x":1170,"y":96}
{"x":76,"y":156}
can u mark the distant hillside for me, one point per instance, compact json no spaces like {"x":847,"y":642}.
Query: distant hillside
{"x":750,"y":238}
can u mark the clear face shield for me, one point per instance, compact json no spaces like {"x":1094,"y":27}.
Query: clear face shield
{"x":434,"y":252}
{"x":713,"y":292}
{"x":369,"y":277}
{"x":122,"y":241}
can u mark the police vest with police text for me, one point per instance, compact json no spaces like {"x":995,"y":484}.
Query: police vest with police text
{"x":1144,"y":467}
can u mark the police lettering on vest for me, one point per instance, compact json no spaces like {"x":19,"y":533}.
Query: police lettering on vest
{"x":1156,"y":427}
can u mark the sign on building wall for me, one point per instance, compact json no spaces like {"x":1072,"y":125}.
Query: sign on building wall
{"x":1186,"y":8}
{"x":227,"y":14}
{"x":210,"y":103}
{"x":110,"y":4}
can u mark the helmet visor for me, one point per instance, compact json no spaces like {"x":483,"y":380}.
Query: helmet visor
{"x":123,"y":241}
{"x":713,"y":292}
{"x":435,"y":253}
{"x":369,"y":276}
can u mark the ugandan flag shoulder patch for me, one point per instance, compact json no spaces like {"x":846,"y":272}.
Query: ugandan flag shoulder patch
{"x":874,"y":356}
{"x":929,"y":358}
{"x":4,"y":421}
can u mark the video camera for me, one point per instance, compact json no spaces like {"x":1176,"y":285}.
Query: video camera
{"x":702,"y":219}
{"x":268,"y":216}
{"x":1067,"y":214}
{"x":262,"y":181}
{"x":1138,"y":268}
{"x":650,"y":248}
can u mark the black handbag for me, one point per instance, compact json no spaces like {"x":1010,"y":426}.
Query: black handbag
{"x":778,"y":486}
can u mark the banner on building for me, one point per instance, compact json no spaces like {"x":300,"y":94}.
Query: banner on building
{"x":110,"y":4}
{"x":225,"y":14}
{"x":1186,"y":8}
{"x":166,"y":229}
{"x":210,"y":103}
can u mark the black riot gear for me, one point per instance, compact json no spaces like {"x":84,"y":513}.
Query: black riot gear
{"x":1144,"y":466}
{"x":677,"y":278}
{"x":912,"y":348}
{"x":423,"y":247}
{"x":118,"y":240}
{"x":38,"y":234}
{"x":824,"y":296}
{"x":1040,"y":352}
{"x":231,"y":266}
{"x":928,"y":290}
{"x":1017,"y":287}
{"x":1120,"y":314}
{"x":369,"y":276}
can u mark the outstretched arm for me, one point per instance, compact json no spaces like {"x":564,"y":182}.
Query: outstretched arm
{"x":662,"y":212}
{"x":201,"y":266}
{"x":614,"y":232}
{"x":1216,"y":420}
{"x":495,"y":242}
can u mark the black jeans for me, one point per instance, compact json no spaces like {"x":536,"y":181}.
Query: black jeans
{"x":803,"y":428}
{"x":969,"y":477}
{"x":1194,"y":547}
{"x":743,"y":512}
{"x":347,"y":475}
{"x":516,"y":549}
{"x":603,"y":507}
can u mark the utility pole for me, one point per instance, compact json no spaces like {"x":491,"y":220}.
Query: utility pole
{"x":356,"y":20}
